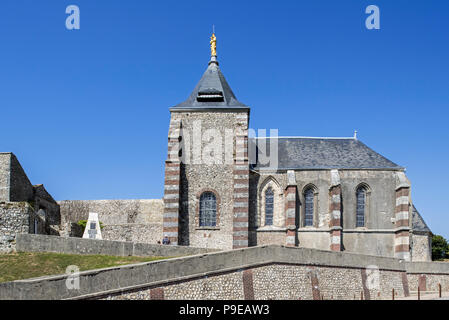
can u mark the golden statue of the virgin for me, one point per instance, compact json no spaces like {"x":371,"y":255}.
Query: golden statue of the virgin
{"x":213,"y":45}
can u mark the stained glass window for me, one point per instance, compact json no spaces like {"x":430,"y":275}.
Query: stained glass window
{"x":269,"y":207}
{"x":360,"y":212}
{"x":308,"y":216}
{"x":208,"y":210}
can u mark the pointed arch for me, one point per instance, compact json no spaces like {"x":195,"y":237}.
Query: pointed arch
{"x":310,"y":204}
{"x":362,"y":194}
{"x":363,"y":185}
{"x":271,"y":200}
{"x":310,"y":186}
{"x":270,"y":180}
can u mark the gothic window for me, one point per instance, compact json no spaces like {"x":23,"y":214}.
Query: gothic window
{"x":360,"y":211}
{"x":208,"y":209}
{"x":269,"y":206}
{"x":308,"y":207}
{"x":270,"y":199}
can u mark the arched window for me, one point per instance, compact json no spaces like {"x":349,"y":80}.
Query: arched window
{"x":270,"y":209}
{"x":361,"y":203}
{"x":308,"y":207}
{"x":208,"y":209}
{"x":269,"y":206}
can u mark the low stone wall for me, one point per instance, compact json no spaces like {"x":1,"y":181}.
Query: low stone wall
{"x":428,"y":275}
{"x":44,"y":243}
{"x":263,"y":272}
{"x":14,"y":219}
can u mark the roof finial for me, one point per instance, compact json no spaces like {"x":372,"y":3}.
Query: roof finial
{"x":213,"y":43}
{"x":355,"y":134}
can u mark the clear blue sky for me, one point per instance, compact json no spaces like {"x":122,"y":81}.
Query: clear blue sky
{"x":86,"y":111}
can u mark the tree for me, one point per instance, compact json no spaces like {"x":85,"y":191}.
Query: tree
{"x":440,"y":248}
{"x":83,"y":224}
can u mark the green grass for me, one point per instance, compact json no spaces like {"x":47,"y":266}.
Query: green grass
{"x":26,"y":265}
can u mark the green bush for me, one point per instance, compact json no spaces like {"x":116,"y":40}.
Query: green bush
{"x":83,"y":224}
{"x":440,"y":248}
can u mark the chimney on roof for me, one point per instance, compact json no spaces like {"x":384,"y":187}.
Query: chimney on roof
{"x":355,"y":134}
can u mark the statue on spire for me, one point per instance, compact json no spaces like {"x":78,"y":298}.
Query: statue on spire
{"x":213,"y":45}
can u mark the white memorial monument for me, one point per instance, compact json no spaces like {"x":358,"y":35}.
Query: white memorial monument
{"x":93,"y":230}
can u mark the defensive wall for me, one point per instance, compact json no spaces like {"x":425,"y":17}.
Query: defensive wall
{"x":138,"y":220}
{"x":262,"y":272}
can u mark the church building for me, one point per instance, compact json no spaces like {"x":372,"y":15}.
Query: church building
{"x":324,"y":193}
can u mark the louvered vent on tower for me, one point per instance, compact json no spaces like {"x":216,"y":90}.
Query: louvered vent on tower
{"x":211,"y":95}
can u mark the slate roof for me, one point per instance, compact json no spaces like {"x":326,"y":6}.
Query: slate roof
{"x":321,"y":153}
{"x":418,"y":223}
{"x":211,"y":92}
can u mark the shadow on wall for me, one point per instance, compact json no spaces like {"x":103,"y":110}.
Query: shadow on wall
{"x":184,"y":218}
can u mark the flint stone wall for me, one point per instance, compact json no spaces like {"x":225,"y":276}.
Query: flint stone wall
{"x":420,"y":248}
{"x":311,"y":275}
{"x":217,"y":177}
{"x":14,"y":220}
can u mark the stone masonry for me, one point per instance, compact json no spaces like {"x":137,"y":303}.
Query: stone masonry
{"x":138,"y":220}
{"x":24,"y":208}
{"x":172,"y":183}
{"x":14,"y":219}
{"x":241,"y":183}
{"x":335,"y":211}
{"x":402,"y":218}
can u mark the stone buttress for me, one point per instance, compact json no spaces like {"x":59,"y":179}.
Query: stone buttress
{"x":241,"y":184}
{"x":172,"y":183}
{"x":335,"y":211}
{"x":402,"y":217}
{"x":290,"y":209}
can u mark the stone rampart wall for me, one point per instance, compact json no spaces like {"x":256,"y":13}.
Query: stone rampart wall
{"x":123,"y":220}
{"x":263,"y":272}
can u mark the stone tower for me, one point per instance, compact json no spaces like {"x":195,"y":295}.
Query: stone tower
{"x":206,"y":171}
